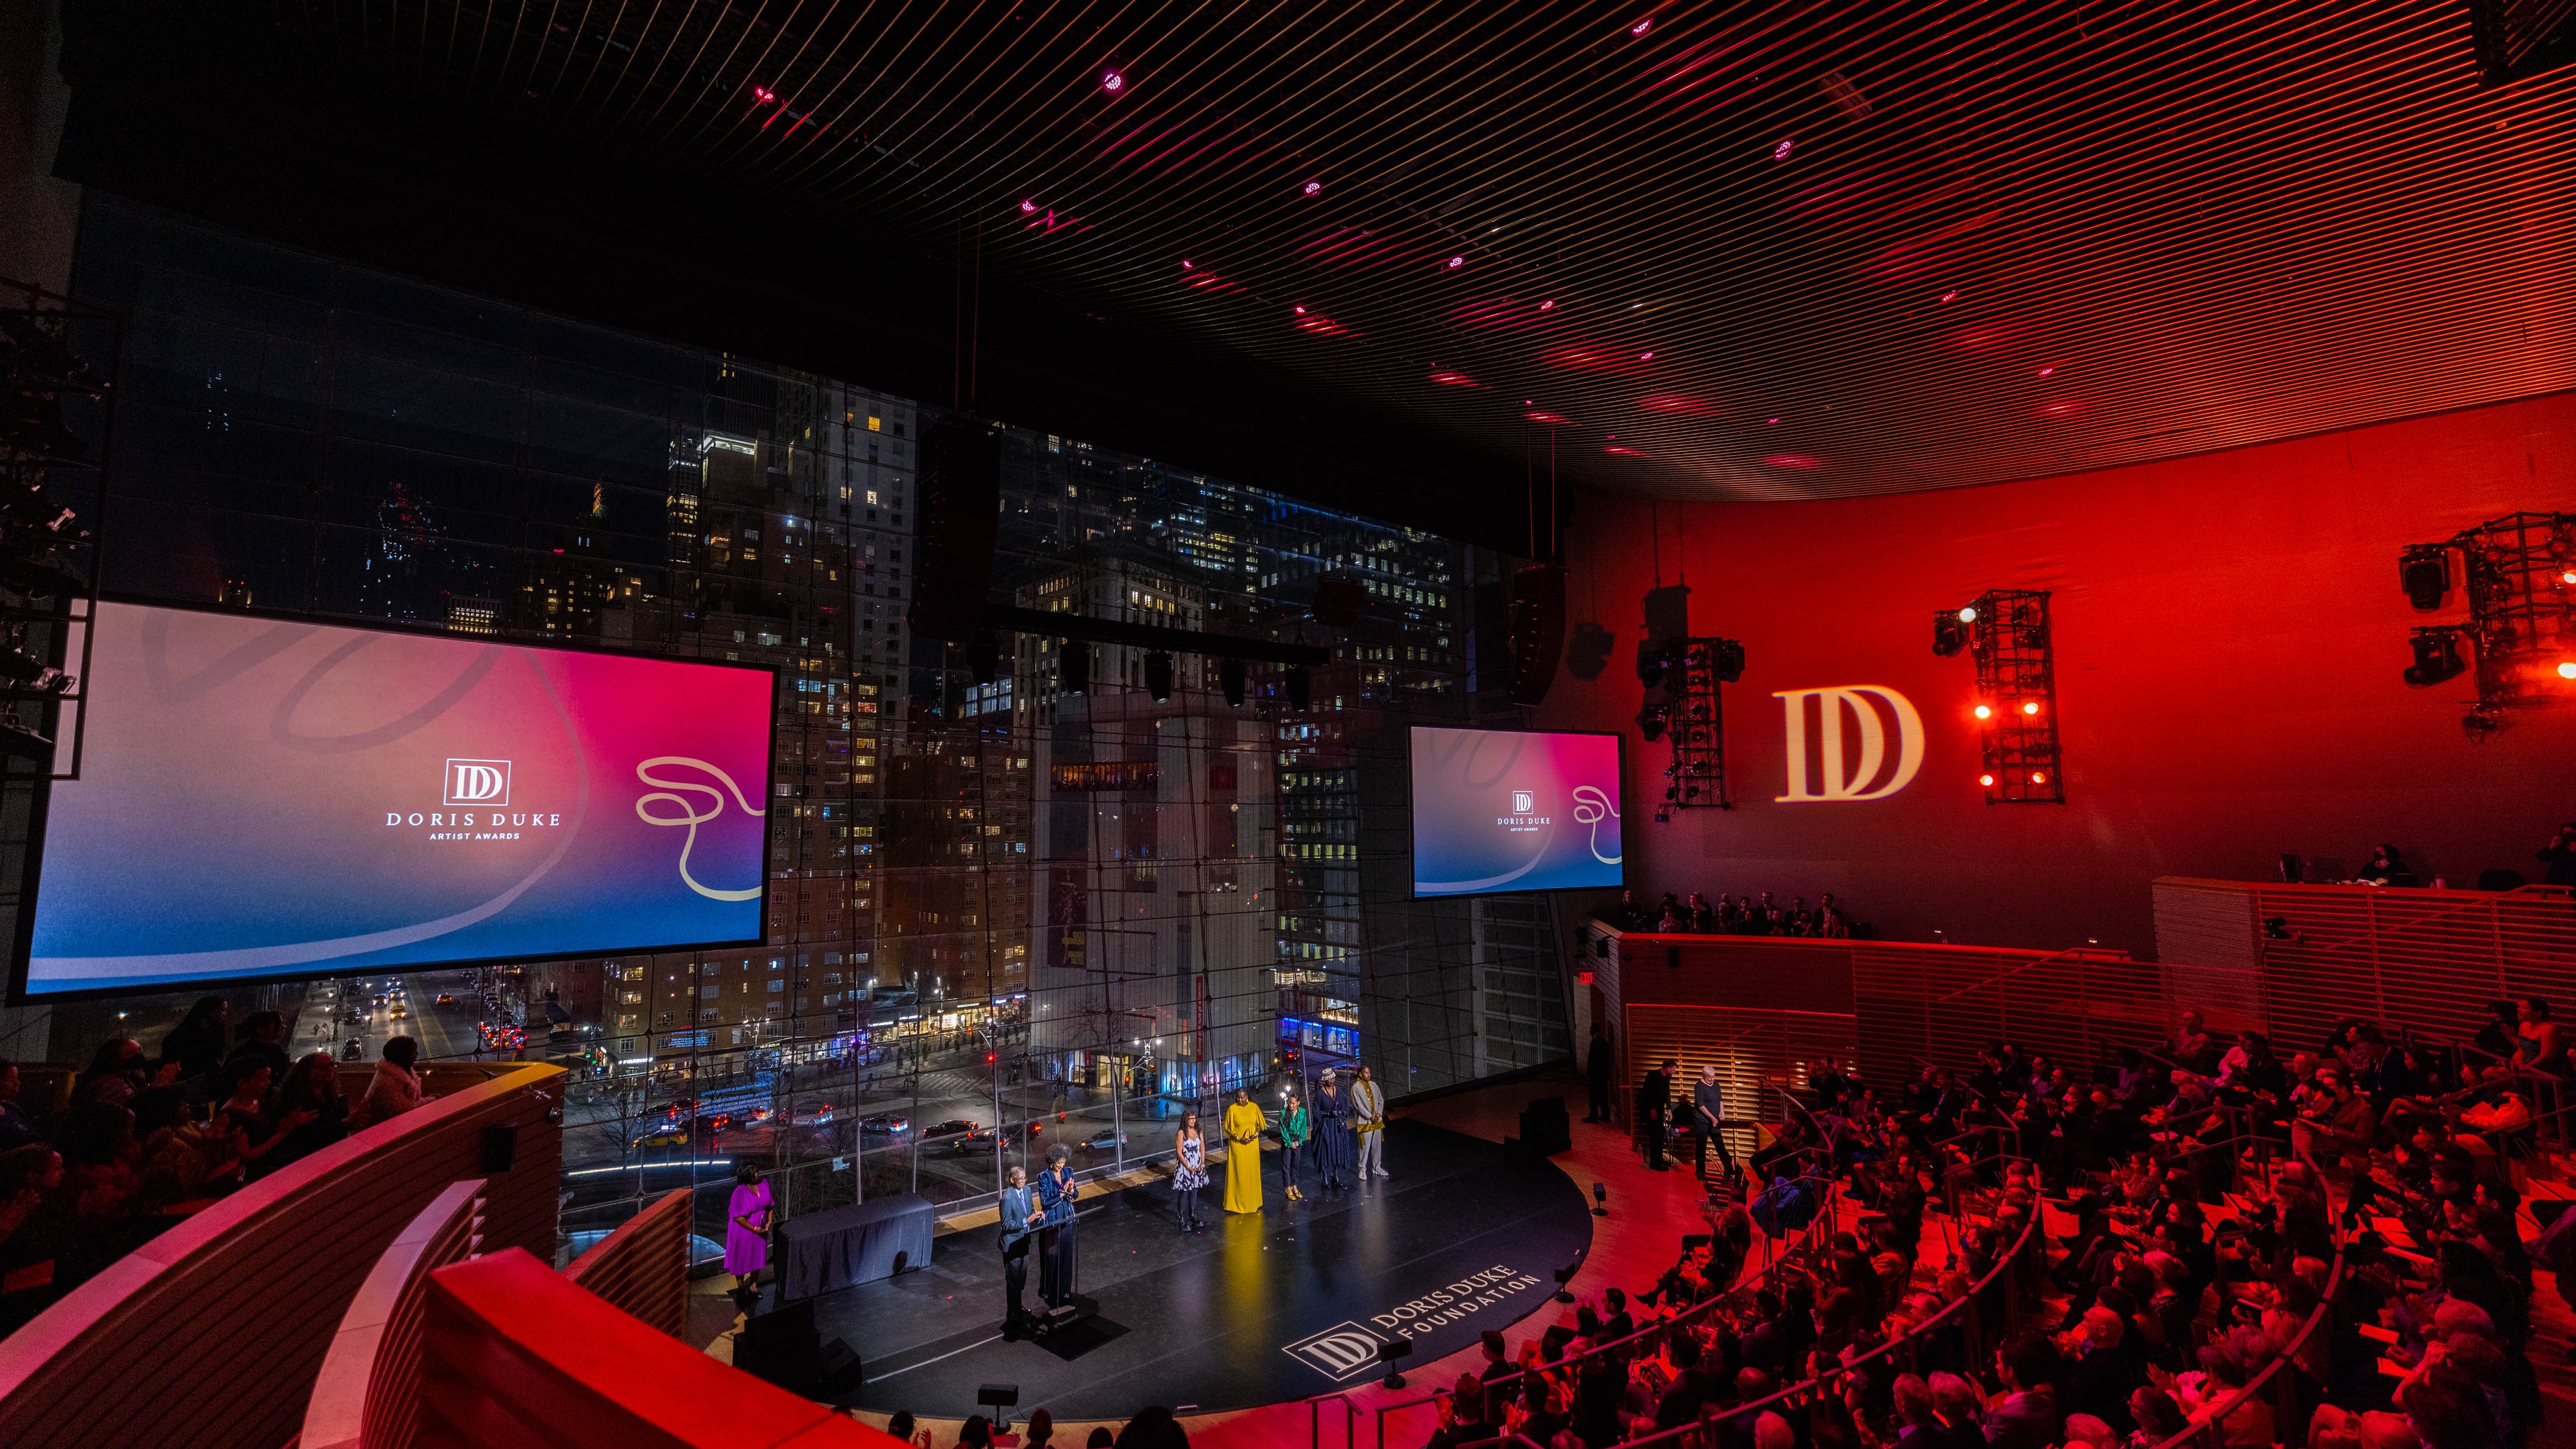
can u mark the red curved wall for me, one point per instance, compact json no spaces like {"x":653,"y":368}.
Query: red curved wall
{"x":2229,"y":634}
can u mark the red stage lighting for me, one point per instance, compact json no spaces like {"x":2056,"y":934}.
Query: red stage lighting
{"x":1986,"y":780}
{"x":2567,"y":668}
{"x":1968,"y":615}
{"x":2030,"y":708}
{"x":1551,"y":306}
{"x":1985,"y":712}
{"x":1314,"y":188}
{"x":2037,"y":778}
{"x":1456,"y":262}
{"x":1112,"y":82}
{"x":1453,"y":379}
{"x":2568,"y":577}
{"x":1781,"y":151}
{"x":1641,"y":27}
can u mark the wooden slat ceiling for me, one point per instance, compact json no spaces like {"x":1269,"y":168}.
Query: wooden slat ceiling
{"x":1754,"y":250}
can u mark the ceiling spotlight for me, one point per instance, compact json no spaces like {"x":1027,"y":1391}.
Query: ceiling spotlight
{"x":1314,"y":188}
{"x":1949,"y":296}
{"x":1027,"y":205}
{"x":2031,"y":707}
{"x":1641,"y":27}
{"x":1985,"y":712}
{"x":1968,"y":615}
{"x":1781,"y":151}
{"x":1112,"y":81}
{"x":1949,"y":636}
{"x":1650,"y":722}
{"x":2567,"y":668}
{"x":2424,"y":572}
{"x":1774,"y":422}
{"x":2569,"y":577}
{"x":1550,"y":306}
{"x":1301,"y":311}
{"x":1456,"y":262}
{"x":2048,"y":372}
{"x":2037,"y":778}
{"x":1986,"y":780}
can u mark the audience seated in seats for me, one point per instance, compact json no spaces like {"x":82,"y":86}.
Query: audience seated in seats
{"x":395,"y":1088}
{"x":1741,"y":915}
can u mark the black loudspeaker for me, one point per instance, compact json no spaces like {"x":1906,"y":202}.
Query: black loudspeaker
{"x":961,"y":518}
{"x":783,"y":1347}
{"x":1544,"y":1129}
{"x":1538,"y":630}
{"x":500,"y":1149}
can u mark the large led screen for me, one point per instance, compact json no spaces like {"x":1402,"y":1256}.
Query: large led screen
{"x":260,"y":798}
{"x":1512,"y":810}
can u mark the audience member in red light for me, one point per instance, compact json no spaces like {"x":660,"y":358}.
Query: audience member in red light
{"x":15,"y":1129}
{"x":312,"y":1085}
{"x":196,"y":1046}
{"x":243,"y":1123}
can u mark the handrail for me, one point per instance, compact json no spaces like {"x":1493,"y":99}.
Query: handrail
{"x":1315,"y":1419}
{"x":275,"y":1263}
{"x":1816,"y":1226}
{"x":2212,"y":1417}
{"x":368,"y":1393}
{"x":642,"y":1266}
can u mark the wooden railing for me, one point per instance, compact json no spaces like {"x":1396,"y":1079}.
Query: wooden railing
{"x":212,"y":1333}
{"x":515,"y":1355}
{"x":368,"y":1393}
{"x":643,"y":1267}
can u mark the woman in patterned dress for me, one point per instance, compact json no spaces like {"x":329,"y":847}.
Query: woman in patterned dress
{"x":1191,"y":1151}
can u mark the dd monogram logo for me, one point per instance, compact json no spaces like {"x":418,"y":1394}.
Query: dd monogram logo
{"x":1820,"y":721}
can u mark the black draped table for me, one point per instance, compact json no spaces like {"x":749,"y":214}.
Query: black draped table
{"x":848,"y":1246}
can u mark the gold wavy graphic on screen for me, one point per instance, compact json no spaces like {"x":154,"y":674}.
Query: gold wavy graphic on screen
{"x":689,"y":816}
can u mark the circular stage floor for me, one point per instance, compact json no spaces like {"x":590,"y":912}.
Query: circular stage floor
{"x":1256,"y":1310}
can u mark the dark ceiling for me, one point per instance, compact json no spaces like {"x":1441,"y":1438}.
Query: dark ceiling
{"x":1394,"y":254}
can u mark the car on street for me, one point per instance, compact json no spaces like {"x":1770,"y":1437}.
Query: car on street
{"x":446,"y":998}
{"x":816,"y":1113}
{"x":669,"y":1134}
{"x":1104,"y":1139}
{"x":884,"y":1124}
{"x":958,"y":1137}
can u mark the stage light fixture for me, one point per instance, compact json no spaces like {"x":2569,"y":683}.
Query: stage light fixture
{"x":1728,"y":660}
{"x":1986,"y":780}
{"x":1113,"y":81}
{"x":1300,"y":688}
{"x":2568,"y":577}
{"x":1650,"y":722}
{"x":1985,"y":711}
{"x":2437,"y":657}
{"x":1949,"y":636}
{"x":2038,"y":778}
{"x":2482,"y":721}
{"x":1229,"y":674}
{"x":2030,"y":707}
{"x":1968,"y":615}
{"x":2567,"y":668}
{"x":1388,"y":1352}
{"x":1650,"y":665}
{"x":2424,"y":572}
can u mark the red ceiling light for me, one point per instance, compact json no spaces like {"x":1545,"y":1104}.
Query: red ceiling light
{"x":1551,"y":419}
{"x":1986,"y":780}
{"x":1949,"y":296}
{"x":1622,"y":450}
{"x":1781,"y":151}
{"x":1641,"y":27}
{"x":1028,"y":206}
{"x":2048,"y":372}
{"x":2567,"y":668}
{"x":1453,"y":379}
{"x":1645,"y":357}
{"x":2030,"y":707}
{"x":1551,"y":306}
{"x":1314,"y":188}
{"x":1985,"y":711}
{"x":1793,"y":460}
{"x":1771,"y":422}
{"x":1113,"y":81}
{"x":2038,"y":777}
{"x":1456,"y":262}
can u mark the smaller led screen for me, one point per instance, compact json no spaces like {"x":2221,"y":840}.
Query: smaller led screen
{"x":1514,"y":810}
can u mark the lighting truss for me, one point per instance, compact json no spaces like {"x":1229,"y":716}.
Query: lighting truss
{"x":2008,"y":638}
{"x":58,"y":357}
{"x":2520,"y":576}
{"x":1693,"y":671}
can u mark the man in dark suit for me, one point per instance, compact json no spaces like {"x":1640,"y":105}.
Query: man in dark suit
{"x":1015,"y":1246}
{"x":1596,"y":1075}
{"x":1654,"y":1103}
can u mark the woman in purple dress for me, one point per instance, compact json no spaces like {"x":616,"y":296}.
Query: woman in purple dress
{"x":747,"y":1227}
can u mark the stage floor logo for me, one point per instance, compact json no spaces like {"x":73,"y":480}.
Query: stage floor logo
{"x":1338,"y":1352}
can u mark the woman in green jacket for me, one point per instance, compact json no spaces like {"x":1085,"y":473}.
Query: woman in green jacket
{"x":1294,"y":1129}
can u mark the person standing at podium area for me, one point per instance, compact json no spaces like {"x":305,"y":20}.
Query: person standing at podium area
{"x":1654,"y":1100}
{"x":1015,"y":1246}
{"x":1057,"y":1260}
{"x":1708,"y":1109}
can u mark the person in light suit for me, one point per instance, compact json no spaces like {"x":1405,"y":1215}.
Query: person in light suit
{"x":1015,"y":1246}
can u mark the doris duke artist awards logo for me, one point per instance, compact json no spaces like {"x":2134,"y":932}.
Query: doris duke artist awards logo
{"x":477,"y":782}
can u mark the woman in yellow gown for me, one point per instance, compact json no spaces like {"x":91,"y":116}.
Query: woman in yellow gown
{"x":1243,"y":1128}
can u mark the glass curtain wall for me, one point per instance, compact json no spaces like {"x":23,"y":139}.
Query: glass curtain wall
{"x":1004,"y":914}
